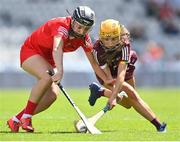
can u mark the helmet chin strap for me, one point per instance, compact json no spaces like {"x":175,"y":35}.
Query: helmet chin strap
{"x":74,"y":34}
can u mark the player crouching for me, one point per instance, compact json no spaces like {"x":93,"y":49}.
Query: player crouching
{"x":115,"y":57}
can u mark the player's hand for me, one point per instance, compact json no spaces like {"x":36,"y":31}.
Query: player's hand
{"x":111,"y":102}
{"x":110,"y":81}
{"x":57,"y":77}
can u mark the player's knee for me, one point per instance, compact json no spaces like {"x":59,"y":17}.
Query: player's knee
{"x":54,"y":92}
{"x":126,"y":105}
{"x":53,"y":96}
{"x":47,"y":78}
{"x":132,"y":94}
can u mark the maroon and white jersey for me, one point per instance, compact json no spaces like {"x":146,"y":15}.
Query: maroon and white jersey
{"x":112,"y":59}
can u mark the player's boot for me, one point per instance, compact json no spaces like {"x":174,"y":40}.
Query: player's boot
{"x":13,"y":125}
{"x":162,"y":128}
{"x":95,"y":90}
{"x":26,"y":124}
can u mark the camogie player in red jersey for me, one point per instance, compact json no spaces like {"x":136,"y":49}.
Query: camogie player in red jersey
{"x":114,"y":55}
{"x":43,"y":50}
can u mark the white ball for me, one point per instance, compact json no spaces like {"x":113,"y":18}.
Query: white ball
{"x":80,"y":126}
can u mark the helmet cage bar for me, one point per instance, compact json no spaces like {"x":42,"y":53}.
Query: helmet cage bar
{"x":108,"y":36}
{"x":77,"y":35}
{"x":111,"y":49}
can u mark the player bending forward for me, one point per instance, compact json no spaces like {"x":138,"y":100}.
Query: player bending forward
{"x":115,"y":57}
{"x":43,"y":50}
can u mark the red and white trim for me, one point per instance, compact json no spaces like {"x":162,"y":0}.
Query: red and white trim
{"x":63,"y":30}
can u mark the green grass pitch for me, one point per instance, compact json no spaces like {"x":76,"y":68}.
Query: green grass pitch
{"x":56,"y":123}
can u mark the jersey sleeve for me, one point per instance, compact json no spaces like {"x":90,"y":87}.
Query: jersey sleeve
{"x":61,"y":31}
{"x":87,"y":44}
{"x":125,"y":55}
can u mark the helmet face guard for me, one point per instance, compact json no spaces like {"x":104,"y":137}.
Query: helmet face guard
{"x":84,"y":16}
{"x":111,"y":49}
{"x":110,"y":32}
{"x":72,"y":32}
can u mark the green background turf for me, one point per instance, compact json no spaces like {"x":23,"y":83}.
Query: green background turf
{"x":56,"y":123}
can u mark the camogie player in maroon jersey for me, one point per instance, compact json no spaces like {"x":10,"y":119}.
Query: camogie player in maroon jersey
{"x":43,"y":50}
{"x":114,"y":55}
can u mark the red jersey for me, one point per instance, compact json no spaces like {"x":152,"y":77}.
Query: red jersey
{"x":41,"y":40}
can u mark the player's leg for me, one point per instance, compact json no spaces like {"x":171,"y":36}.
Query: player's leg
{"x":39,"y":68}
{"x":134,"y":100}
{"x":140,"y":106}
{"x":48,"y":98}
{"x":36,"y":66}
{"x":96,"y":91}
{"x":45,"y":102}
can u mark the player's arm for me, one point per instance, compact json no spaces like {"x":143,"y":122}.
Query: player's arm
{"x":58,"y":57}
{"x":97,"y":69}
{"x":120,"y":78}
{"x":109,"y":76}
{"x":118,"y":84}
{"x":122,"y":67}
{"x":107,"y":72}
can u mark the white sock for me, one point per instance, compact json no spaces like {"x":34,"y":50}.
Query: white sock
{"x":26,"y":116}
{"x":15,"y":119}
